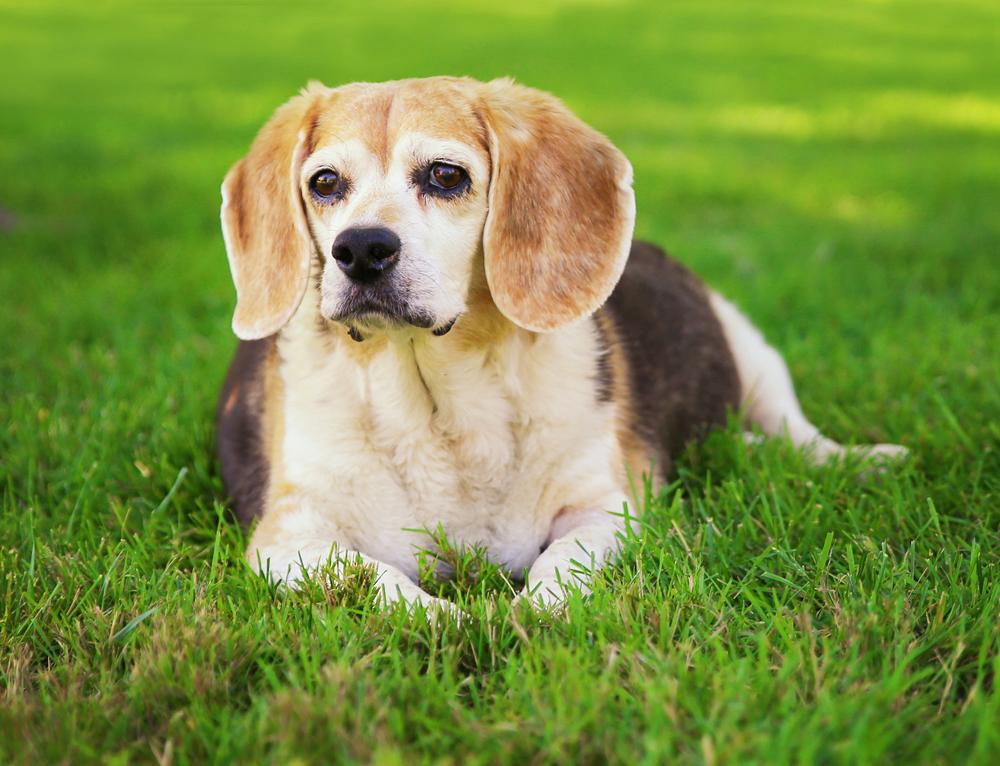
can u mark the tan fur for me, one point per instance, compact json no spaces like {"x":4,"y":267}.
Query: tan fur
{"x":273,"y":432}
{"x":377,"y":114}
{"x":264,"y":224}
{"x":561,"y":209}
{"x":636,"y":454}
{"x":361,"y":353}
{"x":231,"y":400}
{"x":482,"y":325}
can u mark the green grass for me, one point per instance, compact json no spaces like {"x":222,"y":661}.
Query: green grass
{"x":832,"y":167}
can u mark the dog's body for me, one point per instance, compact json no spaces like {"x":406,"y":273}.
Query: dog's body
{"x":509,"y":385}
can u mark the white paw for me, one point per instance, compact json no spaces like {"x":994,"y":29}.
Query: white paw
{"x":889,"y":452}
{"x":544,"y":595}
{"x":880,"y":454}
{"x":878,"y":458}
{"x":440,"y":608}
{"x":415,"y":599}
{"x":392,"y":586}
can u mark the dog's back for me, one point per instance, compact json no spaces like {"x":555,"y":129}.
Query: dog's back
{"x":681,"y":373}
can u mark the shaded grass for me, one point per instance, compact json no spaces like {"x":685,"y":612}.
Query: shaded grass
{"x":833,"y":170}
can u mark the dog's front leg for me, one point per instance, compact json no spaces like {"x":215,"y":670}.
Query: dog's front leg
{"x":581,"y":541}
{"x":294,"y":539}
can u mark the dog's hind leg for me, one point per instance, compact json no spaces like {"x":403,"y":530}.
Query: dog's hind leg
{"x":768,"y":396}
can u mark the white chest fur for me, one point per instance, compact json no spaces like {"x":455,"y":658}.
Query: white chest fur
{"x":486,"y":445}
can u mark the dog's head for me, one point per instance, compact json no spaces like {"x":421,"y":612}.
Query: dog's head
{"x":407,"y":193}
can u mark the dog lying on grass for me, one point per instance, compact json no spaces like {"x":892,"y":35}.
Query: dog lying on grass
{"x":445,"y":325}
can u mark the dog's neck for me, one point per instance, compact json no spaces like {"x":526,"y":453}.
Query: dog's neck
{"x":485,"y":358}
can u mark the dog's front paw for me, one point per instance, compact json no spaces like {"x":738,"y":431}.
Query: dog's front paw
{"x":436,"y":608}
{"x":544,"y":595}
{"x":884,"y":453}
{"x":877,"y":458}
{"x":416,"y":600}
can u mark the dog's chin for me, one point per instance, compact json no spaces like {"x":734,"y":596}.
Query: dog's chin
{"x":377,"y":320}
{"x":363,"y":325}
{"x":376,"y":307}
{"x":365,"y":321}
{"x":368,"y":322}
{"x":364,"y":313}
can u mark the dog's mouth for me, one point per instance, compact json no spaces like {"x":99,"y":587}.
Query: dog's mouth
{"x":379,"y":306}
{"x":376,"y":308}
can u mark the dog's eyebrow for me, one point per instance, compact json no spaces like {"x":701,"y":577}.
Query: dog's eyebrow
{"x":336,"y":153}
{"x":430,"y":148}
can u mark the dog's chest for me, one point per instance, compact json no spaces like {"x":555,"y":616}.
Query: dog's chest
{"x":418,"y":441}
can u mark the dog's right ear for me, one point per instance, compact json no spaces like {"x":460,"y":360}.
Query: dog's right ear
{"x":264,"y":221}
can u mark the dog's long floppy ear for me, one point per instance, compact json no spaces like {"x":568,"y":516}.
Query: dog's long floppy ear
{"x":264,"y":224}
{"x":561,"y":209}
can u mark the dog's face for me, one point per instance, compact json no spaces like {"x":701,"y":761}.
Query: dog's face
{"x":395,"y":189}
{"x":406,"y":194}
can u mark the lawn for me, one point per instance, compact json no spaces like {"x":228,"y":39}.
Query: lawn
{"x":834,"y":168}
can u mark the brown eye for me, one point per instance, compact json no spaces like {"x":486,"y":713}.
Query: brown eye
{"x":325,"y":183}
{"x":447,"y":177}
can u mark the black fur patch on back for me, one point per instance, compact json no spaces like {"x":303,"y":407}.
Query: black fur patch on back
{"x":238,"y":419}
{"x":682,"y":375}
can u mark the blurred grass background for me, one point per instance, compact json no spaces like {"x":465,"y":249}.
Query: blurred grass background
{"x":834,"y":168}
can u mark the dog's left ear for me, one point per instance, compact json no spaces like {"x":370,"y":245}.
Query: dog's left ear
{"x":264,"y":223}
{"x":561,"y":209}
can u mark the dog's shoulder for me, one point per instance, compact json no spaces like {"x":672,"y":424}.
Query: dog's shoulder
{"x":681,"y":377}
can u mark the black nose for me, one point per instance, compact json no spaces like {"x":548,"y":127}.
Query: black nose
{"x":365,"y":254}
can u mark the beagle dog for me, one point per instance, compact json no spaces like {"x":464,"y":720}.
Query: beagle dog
{"x":446,"y":327}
